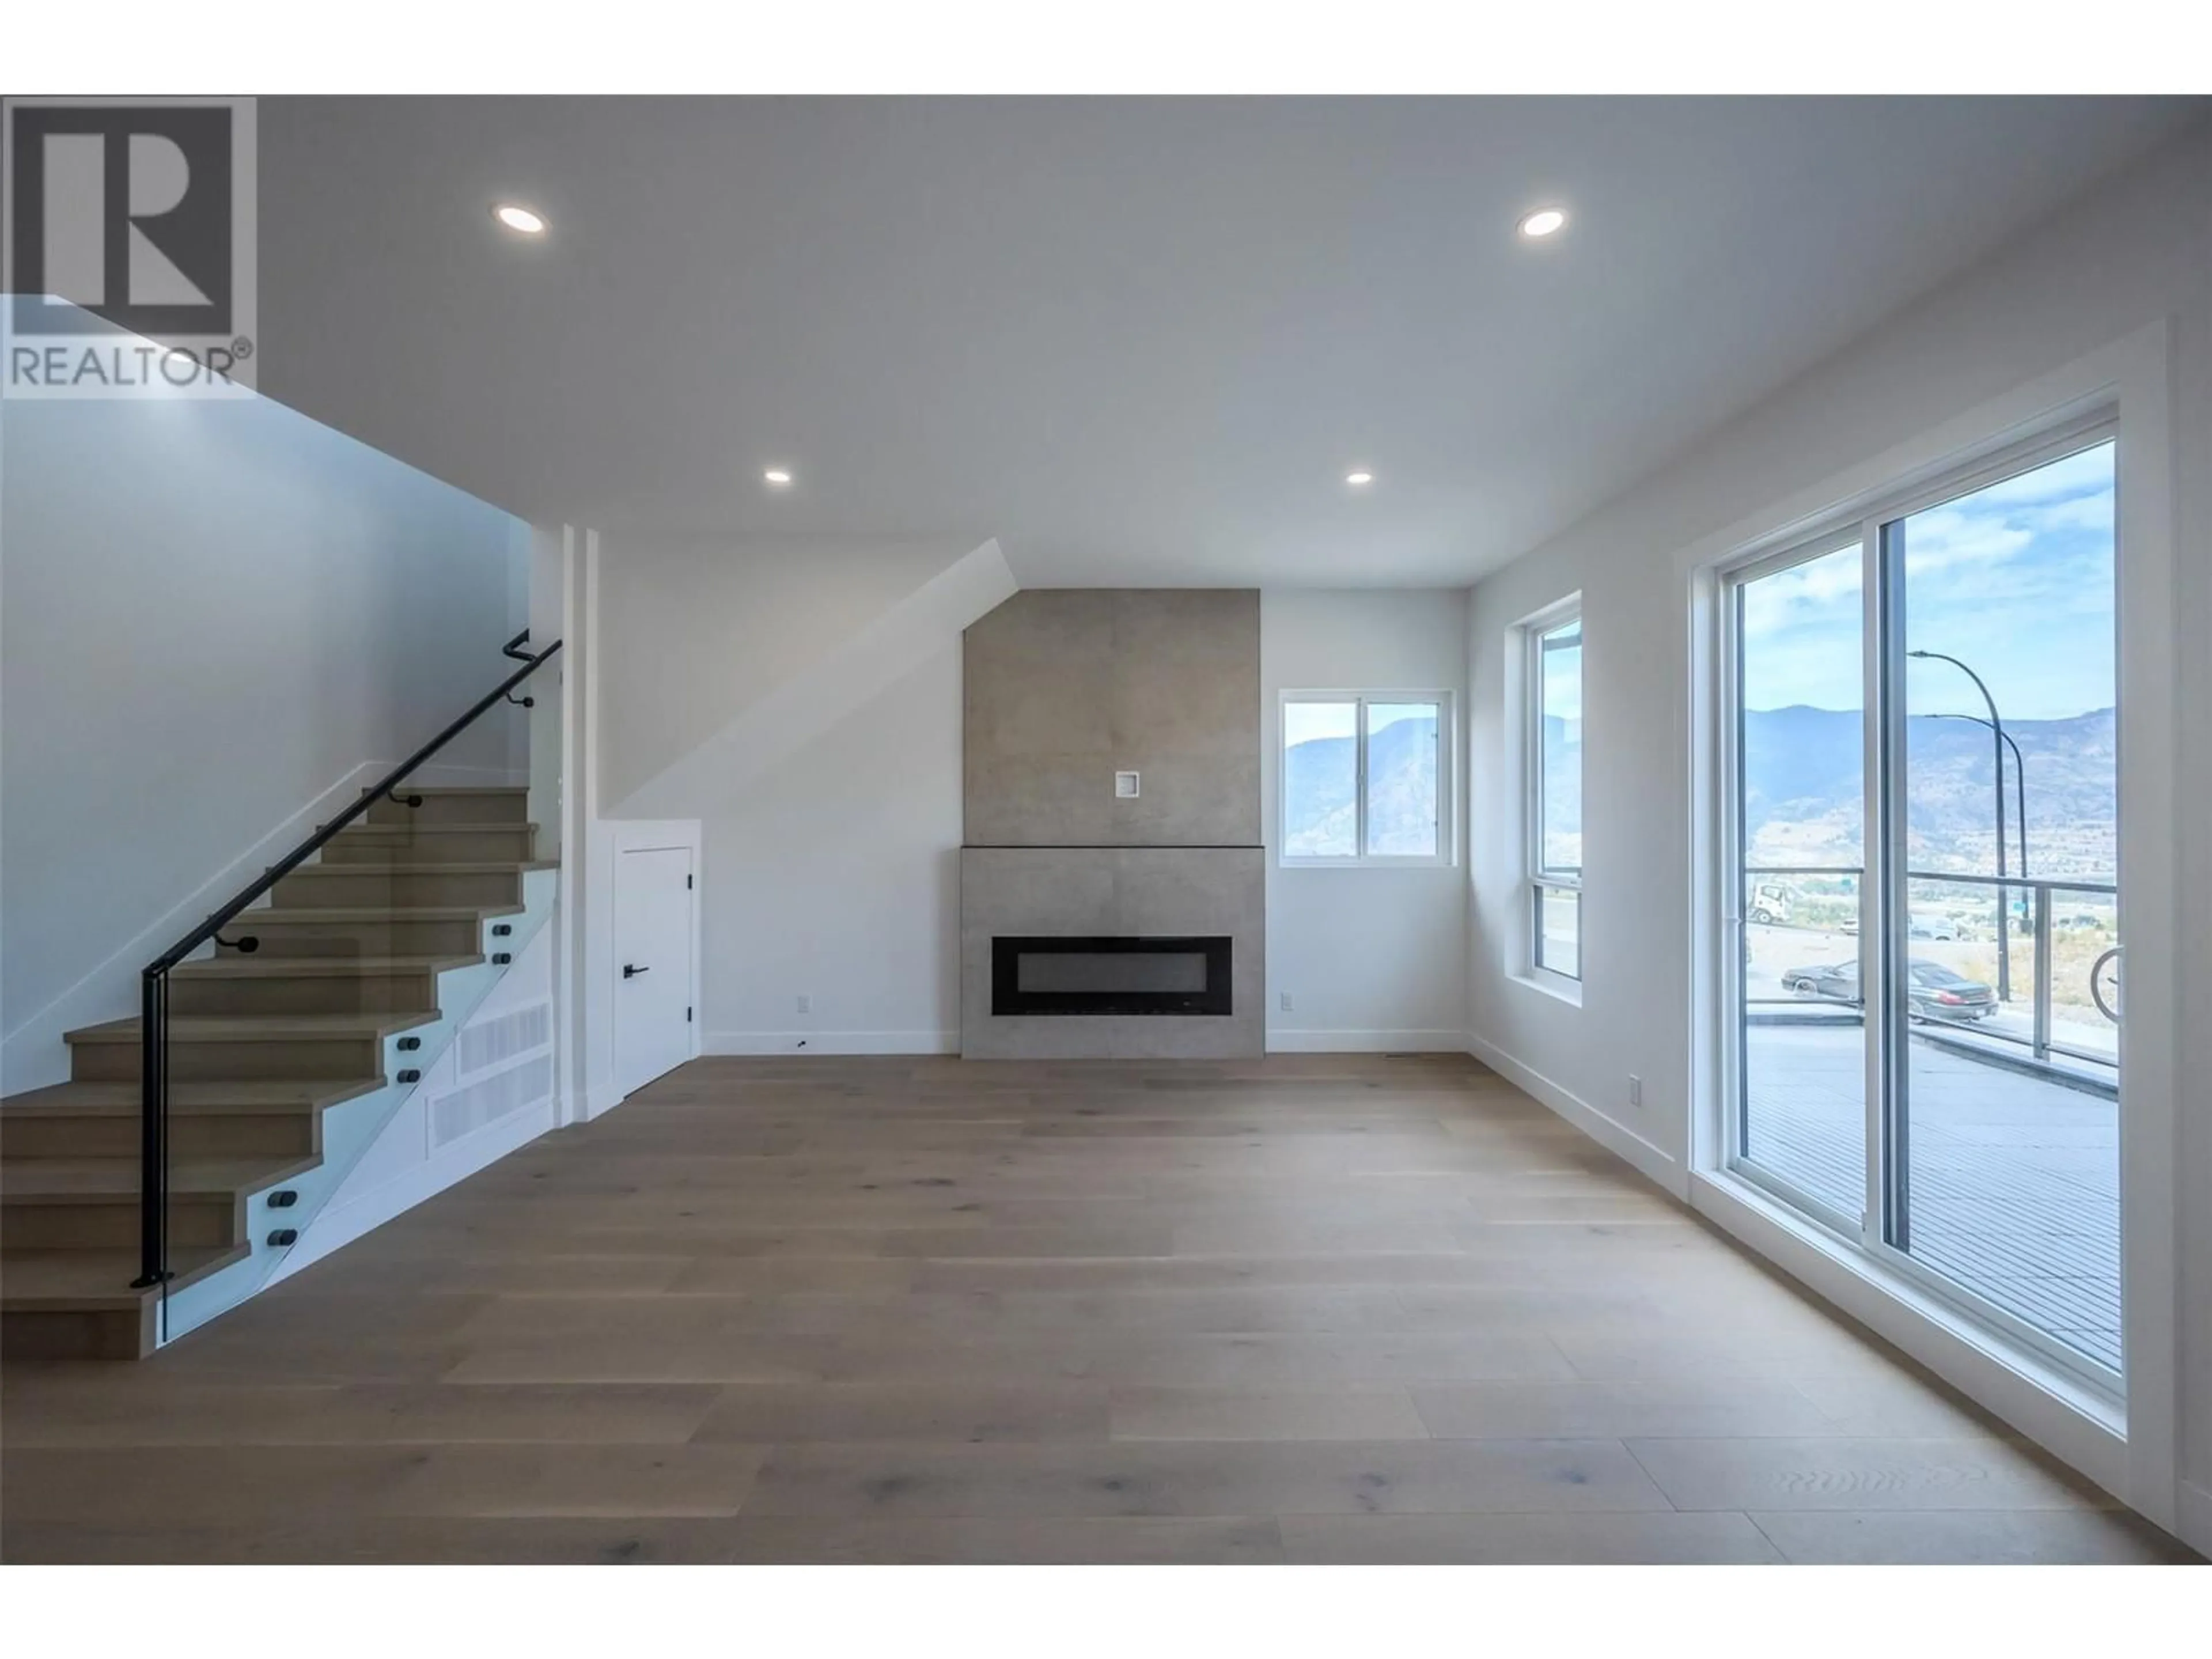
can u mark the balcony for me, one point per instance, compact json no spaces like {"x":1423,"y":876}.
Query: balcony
{"x":2013,"y":1115}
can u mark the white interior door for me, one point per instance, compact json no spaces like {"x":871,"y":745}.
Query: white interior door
{"x":653,"y":994}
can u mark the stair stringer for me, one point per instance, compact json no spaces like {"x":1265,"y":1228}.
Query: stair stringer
{"x":349,"y":1128}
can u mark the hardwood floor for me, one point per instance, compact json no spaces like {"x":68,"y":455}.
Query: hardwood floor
{"x":1310,"y":1309}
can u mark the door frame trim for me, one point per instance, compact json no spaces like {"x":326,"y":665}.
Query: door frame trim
{"x":652,"y":835}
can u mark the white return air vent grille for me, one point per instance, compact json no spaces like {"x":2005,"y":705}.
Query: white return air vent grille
{"x":495,"y":1041}
{"x":485,"y":1102}
{"x":502,"y":1066}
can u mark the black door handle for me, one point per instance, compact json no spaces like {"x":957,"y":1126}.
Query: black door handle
{"x":629,"y":972}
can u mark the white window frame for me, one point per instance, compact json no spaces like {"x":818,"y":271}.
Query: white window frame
{"x":1447,"y":853}
{"x":1883,"y":890}
{"x":2128,"y":1448}
{"x":1535,"y":879}
{"x":1833,"y":538}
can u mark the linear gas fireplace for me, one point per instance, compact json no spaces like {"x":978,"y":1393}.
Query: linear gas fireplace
{"x":1112,"y":952}
{"x":1117,"y":975}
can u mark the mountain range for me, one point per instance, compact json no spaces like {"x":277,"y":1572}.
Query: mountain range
{"x":1801,"y":796}
{"x":1319,"y":792}
{"x":1801,"y":800}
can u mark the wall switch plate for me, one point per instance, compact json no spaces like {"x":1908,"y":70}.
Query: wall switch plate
{"x":1634,"y":1090}
{"x":806,"y":1004}
{"x":1125,"y":786}
{"x":1285,"y":1002}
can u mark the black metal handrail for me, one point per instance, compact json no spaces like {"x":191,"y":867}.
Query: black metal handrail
{"x":154,"y":981}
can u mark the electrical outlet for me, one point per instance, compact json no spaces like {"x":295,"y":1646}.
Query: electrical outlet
{"x":1285,"y":1002}
{"x":806,"y":1004}
{"x":1634,"y":1090}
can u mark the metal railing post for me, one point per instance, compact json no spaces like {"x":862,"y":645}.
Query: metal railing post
{"x":2041,"y":970}
{"x":153,"y":1128}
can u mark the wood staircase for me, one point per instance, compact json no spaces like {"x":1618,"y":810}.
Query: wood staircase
{"x":261,"y":1045}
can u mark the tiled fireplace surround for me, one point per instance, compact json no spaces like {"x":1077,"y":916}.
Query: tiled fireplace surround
{"x":1066,"y":689}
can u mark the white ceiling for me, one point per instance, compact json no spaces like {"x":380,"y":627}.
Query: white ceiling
{"x":1139,"y":342}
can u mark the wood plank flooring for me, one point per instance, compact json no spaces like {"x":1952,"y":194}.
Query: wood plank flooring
{"x":1311,"y":1309}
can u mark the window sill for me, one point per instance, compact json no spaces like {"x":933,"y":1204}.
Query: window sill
{"x":1558,"y":987}
{"x":1906,"y":1309}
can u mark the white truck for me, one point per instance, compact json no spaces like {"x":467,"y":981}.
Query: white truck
{"x":1769,"y":901}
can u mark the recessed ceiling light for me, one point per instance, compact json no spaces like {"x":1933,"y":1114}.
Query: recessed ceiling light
{"x":777,"y":475}
{"x":1544,"y":222}
{"x":1359,"y":478}
{"x":515,"y":217}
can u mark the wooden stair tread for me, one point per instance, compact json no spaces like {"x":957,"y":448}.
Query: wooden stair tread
{"x":503,"y":826}
{"x":89,"y":1281}
{"x":261,"y":1028}
{"x":252,"y":920}
{"x":458,"y":789}
{"x":472,"y":867}
{"x":59,"y":1180}
{"x":64,"y":1183}
{"x":186,"y":1095}
{"x":232,"y":966}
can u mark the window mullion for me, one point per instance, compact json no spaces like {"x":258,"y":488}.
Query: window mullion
{"x":1359,"y":793}
{"x":1878,"y":626}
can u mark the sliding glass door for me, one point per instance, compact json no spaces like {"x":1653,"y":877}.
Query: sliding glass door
{"x":2003,"y":770}
{"x":1923,"y":803}
{"x":1800,"y":742}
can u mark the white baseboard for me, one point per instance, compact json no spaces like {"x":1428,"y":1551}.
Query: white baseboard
{"x":1284,"y":1041}
{"x":2193,"y":1518}
{"x":1655,"y":1163}
{"x":335,"y":1229}
{"x":831,"y":1043}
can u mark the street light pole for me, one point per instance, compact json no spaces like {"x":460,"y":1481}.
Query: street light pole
{"x":1997,"y":747}
{"x":2019,"y":779}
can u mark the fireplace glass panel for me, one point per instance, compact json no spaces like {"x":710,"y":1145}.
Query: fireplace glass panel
{"x":1112,"y":971}
{"x":1045,"y":975}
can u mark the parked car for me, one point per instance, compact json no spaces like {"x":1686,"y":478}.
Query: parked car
{"x":1936,"y":993}
{"x":1835,"y":982}
{"x":1925,"y":924}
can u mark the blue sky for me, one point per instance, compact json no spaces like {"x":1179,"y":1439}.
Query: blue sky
{"x":1302,"y":722}
{"x":1563,"y":675}
{"x":2016,"y":579}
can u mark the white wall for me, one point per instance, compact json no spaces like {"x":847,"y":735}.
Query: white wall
{"x":837,"y":879}
{"x":2138,"y":251}
{"x":834,"y":874}
{"x":544,"y":735}
{"x":693,"y":633}
{"x":817,"y":690}
{"x":1373,"y":958}
{"x":216,"y":618}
